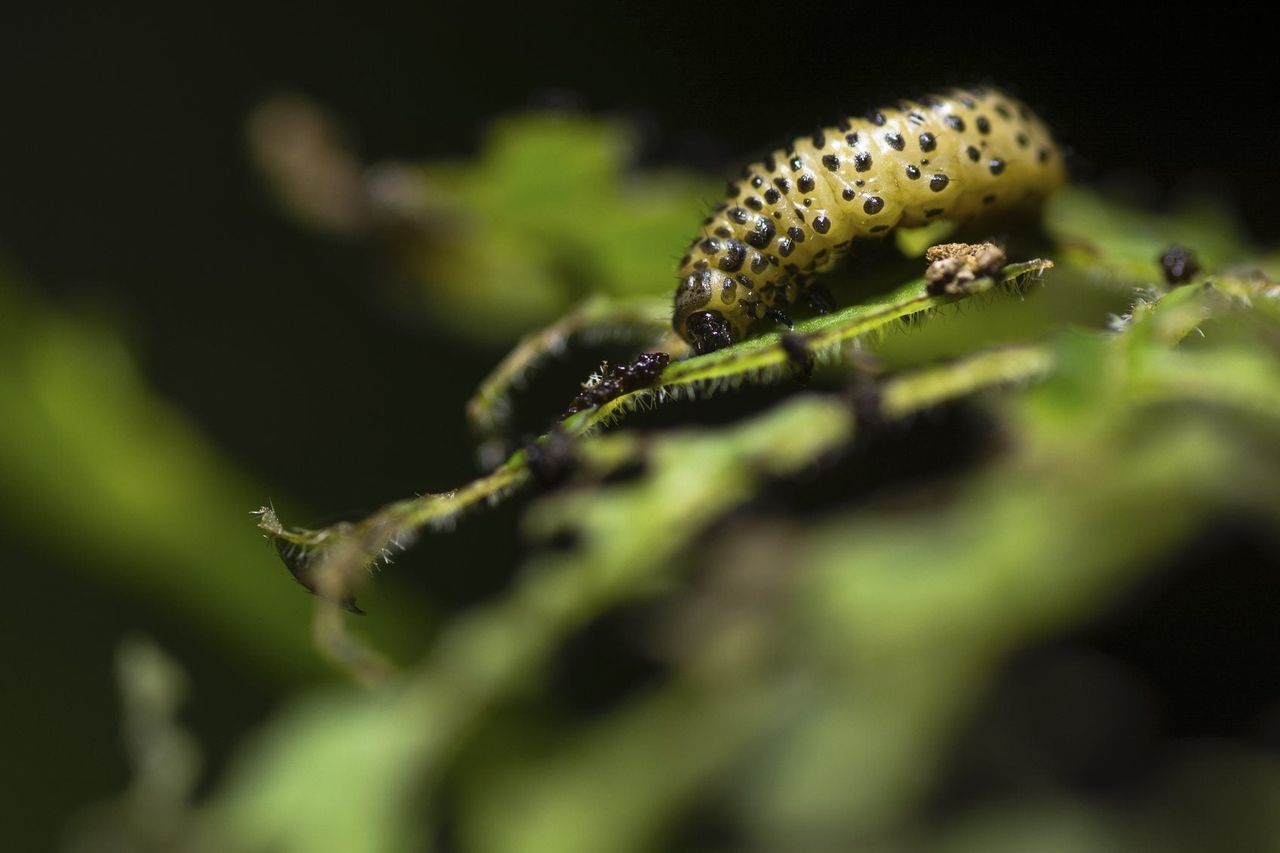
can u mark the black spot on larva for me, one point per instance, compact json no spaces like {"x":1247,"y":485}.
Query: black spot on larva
{"x":928,"y":141}
{"x":709,"y":246}
{"x":988,"y":199}
{"x":795,"y":232}
{"x":706,"y":221}
{"x":762,"y":234}
{"x":873,"y":205}
{"x":819,"y":139}
{"x":800,"y":212}
{"x":1043,"y":156}
{"x":847,"y":194}
{"x":696,"y":288}
{"x":876,"y":229}
{"x":996,"y":166}
{"x":735,"y":254}
{"x":933,"y":211}
{"x":862,"y":161}
{"x":924,"y":161}
{"x":728,"y":292}
{"x":733,"y":190}
{"x":938,"y":183}
{"x":785,"y":246}
{"x":684,"y":262}
{"x":700,"y":264}
{"x":754,"y":203}
{"x":969,"y":102}
{"x":859,"y":182}
{"x":915,"y":118}
{"x":984,"y":126}
{"x":772,"y":196}
{"x":821,"y":224}
{"x":843,"y":124}
{"x":913,"y":171}
{"x":895,"y":141}
{"x":808,"y":202}
{"x":757,"y":182}
{"x":973,"y":153}
{"x":1002,"y":111}
{"x":851,"y":138}
{"x":955,"y":123}
{"x":758,"y":262}
{"x":777,"y":214}
{"x":783,"y":184}
{"x":877,"y":118}
{"x":1022,"y":140}
{"x":739,"y":215}
{"x":831,"y":161}
{"x":770,"y":164}
{"x":723,"y":231}
{"x":796,"y":164}
{"x":805,"y":183}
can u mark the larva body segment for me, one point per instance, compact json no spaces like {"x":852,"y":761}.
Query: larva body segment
{"x":961,"y":156}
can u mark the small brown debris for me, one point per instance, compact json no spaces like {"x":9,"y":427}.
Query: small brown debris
{"x":953,"y":266}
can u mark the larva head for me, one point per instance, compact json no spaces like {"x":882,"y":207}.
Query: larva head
{"x":706,"y":322}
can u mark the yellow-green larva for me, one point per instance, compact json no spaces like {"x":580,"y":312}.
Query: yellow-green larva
{"x":960,"y":156}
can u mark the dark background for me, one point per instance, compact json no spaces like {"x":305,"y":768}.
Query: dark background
{"x":125,"y":185}
{"x":124,"y":177}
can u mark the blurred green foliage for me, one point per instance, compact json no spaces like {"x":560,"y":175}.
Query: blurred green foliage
{"x":546,"y":216}
{"x":100,"y":471}
{"x":548,"y":213}
{"x":817,"y":666}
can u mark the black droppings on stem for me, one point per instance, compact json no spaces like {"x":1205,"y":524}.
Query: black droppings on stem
{"x":1179,"y":265}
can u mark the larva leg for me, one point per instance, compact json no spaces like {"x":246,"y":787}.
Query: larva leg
{"x":779,"y":316}
{"x":644,"y":321}
{"x":819,"y":298}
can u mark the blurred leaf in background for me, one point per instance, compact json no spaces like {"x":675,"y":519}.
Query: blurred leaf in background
{"x":549,"y":212}
{"x":99,"y":469}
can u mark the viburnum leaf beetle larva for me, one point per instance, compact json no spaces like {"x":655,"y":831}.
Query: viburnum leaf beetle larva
{"x":961,"y":156}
